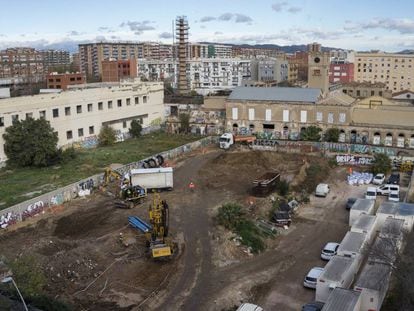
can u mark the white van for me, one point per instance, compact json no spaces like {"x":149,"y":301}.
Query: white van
{"x":371,"y":193}
{"x":386,"y":189}
{"x":322,"y":190}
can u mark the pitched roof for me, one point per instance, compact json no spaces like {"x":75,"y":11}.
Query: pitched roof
{"x":285,"y":94}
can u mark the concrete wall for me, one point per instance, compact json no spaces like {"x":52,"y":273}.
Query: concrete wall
{"x":48,"y":201}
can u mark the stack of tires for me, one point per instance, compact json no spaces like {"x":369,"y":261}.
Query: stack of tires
{"x":154,"y":162}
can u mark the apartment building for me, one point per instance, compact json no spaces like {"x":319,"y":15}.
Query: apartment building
{"x":269,"y":70}
{"x":204,"y":75}
{"x":54,"y":58}
{"x":252,"y":52}
{"x":22,"y":63}
{"x":78,"y":114}
{"x":286,"y":112}
{"x":395,"y":70}
{"x":300,"y":60}
{"x":205,"y":50}
{"x":341,"y":72}
{"x":117,"y":70}
{"x":61,"y":81}
{"x":365,"y":89}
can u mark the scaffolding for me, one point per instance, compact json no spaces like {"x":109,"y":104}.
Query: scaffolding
{"x":181,"y":28}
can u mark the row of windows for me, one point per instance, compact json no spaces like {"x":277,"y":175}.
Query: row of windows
{"x":69,"y":134}
{"x":79,"y":109}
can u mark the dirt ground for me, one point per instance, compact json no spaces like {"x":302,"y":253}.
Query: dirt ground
{"x":85,"y":263}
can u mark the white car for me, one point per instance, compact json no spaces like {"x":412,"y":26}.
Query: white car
{"x":329,"y":250}
{"x":249,"y":307}
{"x":312,"y":277}
{"x":394,"y":196}
{"x":378,"y":179}
{"x":322,"y":190}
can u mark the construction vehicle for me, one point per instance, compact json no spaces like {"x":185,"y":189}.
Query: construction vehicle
{"x":156,"y":232}
{"x":228,"y":139}
{"x":111,"y":175}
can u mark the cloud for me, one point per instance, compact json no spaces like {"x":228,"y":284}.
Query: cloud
{"x":207,"y":19}
{"x":294,"y":9}
{"x":240,"y":18}
{"x":105,"y":29}
{"x":218,"y":33}
{"x":279,"y":6}
{"x":165,"y":35}
{"x":225,"y":17}
{"x":403,"y":25}
{"x":100,"y":38}
{"x":2,"y":35}
{"x":138,"y":27}
{"x":74,"y":33}
{"x":115,"y":38}
{"x":284,"y":6}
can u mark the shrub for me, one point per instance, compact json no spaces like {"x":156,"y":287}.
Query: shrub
{"x":107,"y":136}
{"x":229,"y":215}
{"x":283,"y":187}
{"x":136,"y":128}
{"x":332,"y":135}
{"x":381,"y":163}
{"x":28,"y":275}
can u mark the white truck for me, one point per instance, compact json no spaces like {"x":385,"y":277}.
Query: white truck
{"x":228,"y":139}
{"x":152,"y":178}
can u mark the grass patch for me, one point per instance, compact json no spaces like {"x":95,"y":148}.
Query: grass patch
{"x":15,"y":183}
{"x":232,"y":217}
{"x":315,"y":174}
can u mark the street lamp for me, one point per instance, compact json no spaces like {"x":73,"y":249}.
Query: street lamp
{"x":10,"y":279}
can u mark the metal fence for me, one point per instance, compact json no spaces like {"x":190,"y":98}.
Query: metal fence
{"x":42,"y":203}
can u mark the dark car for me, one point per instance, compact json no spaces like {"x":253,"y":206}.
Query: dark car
{"x":282,"y":218}
{"x":350,"y":202}
{"x":394,"y":178}
{"x":313,"y":306}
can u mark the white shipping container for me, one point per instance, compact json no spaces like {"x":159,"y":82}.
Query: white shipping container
{"x":361,"y":206}
{"x":152,"y":178}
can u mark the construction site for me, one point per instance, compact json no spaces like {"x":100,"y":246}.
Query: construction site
{"x":169,"y":252}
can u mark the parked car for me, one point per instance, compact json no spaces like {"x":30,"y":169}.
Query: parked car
{"x":394,"y":178}
{"x":329,"y":250}
{"x":378,"y":179}
{"x":313,"y":306}
{"x":282,"y":218}
{"x":322,"y":190}
{"x":394,"y":196}
{"x":312,"y":277}
{"x":350,"y":202}
{"x":386,"y":189}
{"x":371,"y":193}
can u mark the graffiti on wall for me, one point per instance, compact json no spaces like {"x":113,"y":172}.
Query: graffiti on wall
{"x":90,"y":142}
{"x":85,"y":187}
{"x":8,"y":219}
{"x":33,"y":210}
{"x":350,"y":159}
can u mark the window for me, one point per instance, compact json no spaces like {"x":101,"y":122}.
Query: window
{"x":380,"y":93}
{"x":51,"y":80}
{"x":1,"y":121}
{"x":90,"y":106}
{"x":55,"y":113}
{"x":29,"y":115}
{"x":285,"y":115}
{"x":58,"y":86}
{"x":42,"y":114}
{"x":110,"y":104}
{"x":124,"y":124}
{"x":128,"y":101}
{"x":330,"y":117}
{"x":251,"y":113}
{"x":119,"y":102}
{"x":78,"y":78}
{"x":67,"y":111}
{"x":303,"y":116}
{"x":136,"y":100}
{"x":69,"y":135}
{"x":319,"y":116}
{"x":91,"y":130}
{"x":372,"y":93}
{"x":79,"y":108}
{"x":58,"y":80}
{"x":72,"y":79}
{"x":15,"y":118}
{"x":144,"y":99}
{"x":342,"y":117}
{"x":100,"y":106}
{"x":235,"y":114}
{"x":268,"y":115}
{"x":80,"y":132}
{"x":358,"y":93}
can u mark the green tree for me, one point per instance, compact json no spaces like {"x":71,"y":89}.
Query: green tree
{"x":107,"y":136}
{"x":311,"y":133}
{"x":28,"y":275}
{"x":31,"y":142}
{"x":135,"y":129}
{"x":184,"y":122}
{"x":332,"y":135}
{"x":230,"y":215}
{"x":381,"y":163}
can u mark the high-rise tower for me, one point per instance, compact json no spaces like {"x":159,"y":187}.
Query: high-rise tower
{"x":181,"y":32}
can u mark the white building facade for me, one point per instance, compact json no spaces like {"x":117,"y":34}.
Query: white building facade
{"x":77,"y":115}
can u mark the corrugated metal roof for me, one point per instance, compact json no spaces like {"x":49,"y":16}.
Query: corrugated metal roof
{"x":363,"y":205}
{"x":336,"y":268}
{"x":342,"y":299}
{"x":285,"y":94}
{"x":364,"y":222}
{"x":352,"y":242}
{"x":374,"y":276}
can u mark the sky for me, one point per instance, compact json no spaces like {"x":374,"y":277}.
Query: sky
{"x":352,"y":24}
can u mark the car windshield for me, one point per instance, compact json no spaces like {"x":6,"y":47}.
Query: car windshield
{"x":371,"y":193}
{"x":310,"y":279}
{"x":225,"y":140}
{"x":394,"y":195}
{"x":328,"y":251}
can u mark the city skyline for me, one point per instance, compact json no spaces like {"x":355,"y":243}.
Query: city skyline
{"x":358,"y":25}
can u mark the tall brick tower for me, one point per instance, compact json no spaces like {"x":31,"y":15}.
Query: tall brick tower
{"x":181,"y":32}
{"x":318,"y":68}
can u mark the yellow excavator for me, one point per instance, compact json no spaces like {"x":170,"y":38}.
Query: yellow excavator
{"x":156,"y":232}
